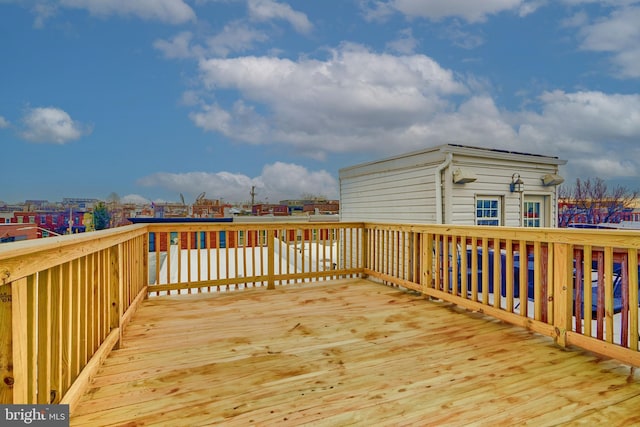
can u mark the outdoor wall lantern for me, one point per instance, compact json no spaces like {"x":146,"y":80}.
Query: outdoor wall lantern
{"x":517,"y":185}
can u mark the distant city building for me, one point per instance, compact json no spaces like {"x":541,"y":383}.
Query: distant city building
{"x":80,"y":203}
{"x":170,"y":210}
{"x":208,"y":208}
{"x":330,"y":207}
{"x":37,"y":205}
{"x":270,"y":209}
{"x":52,"y":221}
{"x":319,"y":206}
{"x":17,"y":232}
{"x":41,"y":218}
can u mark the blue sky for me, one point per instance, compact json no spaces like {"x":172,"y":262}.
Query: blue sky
{"x":152,"y":98}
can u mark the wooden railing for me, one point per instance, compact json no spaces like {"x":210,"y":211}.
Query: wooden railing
{"x":65,"y":301}
{"x":220,"y":257}
{"x":578,"y":286}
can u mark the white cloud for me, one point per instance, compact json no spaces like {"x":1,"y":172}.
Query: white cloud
{"x":584,"y":127}
{"x":460,"y":37}
{"x":135,"y":199}
{"x":216,"y":185}
{"x":602,"y":2}
{"x":594,"y":115}
{"x":405,"y":43}
{"x":4,"y":123}
{"x":359,"y":101}
{"x":190,"y":98}
{"x":476,"y":122}
{"x":241,"y":123}
{"x":618,"y":34}
{"x":576,"y":20}
{"x":278,"y":181}
{"x":354,"y":99}
{"x":51,"y":125}
{"x":530,"y":7}
{"x":266,"y":10}
{"x":179,"y":47}
{"x":376,"y":10}
{"x":43,"y":11}
{"x":469,"y":10}
{"x":286,"y":180}
{"x":234,"y":37}
{"x":169,"y":11}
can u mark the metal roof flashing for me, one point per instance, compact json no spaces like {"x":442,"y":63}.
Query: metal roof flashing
{"x":495,"y":153}
{"x":456,"y":150}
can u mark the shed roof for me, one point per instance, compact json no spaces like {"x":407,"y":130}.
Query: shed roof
{"x":435,"y":154}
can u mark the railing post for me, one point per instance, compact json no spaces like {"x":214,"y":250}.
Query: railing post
{"x":13,"y":342}
{"x":365,"y":249}
{"x":116,"y":283}
{"x":427,"y":261}
{"x":562,"y":291}
{"x":271,"y":259}
{"x":6,"y":350}
{"x":19,"y":326}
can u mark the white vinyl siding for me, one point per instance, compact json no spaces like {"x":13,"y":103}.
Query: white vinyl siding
{"x":403,"y":189}
{"x":493,"y":178}
{"x":396,"y":196}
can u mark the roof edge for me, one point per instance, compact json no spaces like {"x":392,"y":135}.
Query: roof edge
{"x":467,"y":149}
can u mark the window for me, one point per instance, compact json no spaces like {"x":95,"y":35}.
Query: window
{"x":531,"y":214}
{"x":535,"y":211}
{"x":488,"y":211}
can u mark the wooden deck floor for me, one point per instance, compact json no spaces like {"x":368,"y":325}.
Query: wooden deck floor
{"x":345,"y":353}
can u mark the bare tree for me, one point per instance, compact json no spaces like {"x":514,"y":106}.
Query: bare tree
{"x":592,"y":202}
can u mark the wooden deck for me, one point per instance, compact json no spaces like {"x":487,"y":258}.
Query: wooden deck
{"x":345,"y":353}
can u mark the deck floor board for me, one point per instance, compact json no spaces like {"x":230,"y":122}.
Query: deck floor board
{"x":348,"y":352}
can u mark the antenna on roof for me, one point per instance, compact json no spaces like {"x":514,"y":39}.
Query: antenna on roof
{"x":253,"y":194}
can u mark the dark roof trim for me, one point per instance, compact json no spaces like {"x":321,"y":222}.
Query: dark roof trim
{"x":176,"y":220}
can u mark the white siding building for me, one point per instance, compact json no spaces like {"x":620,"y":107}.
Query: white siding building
{"x":453,"y":184}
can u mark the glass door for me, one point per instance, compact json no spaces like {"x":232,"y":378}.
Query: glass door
{"x":534,"y":211}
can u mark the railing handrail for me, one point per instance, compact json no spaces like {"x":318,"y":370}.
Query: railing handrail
{"x":22,"y":247}
{"x":52,"y":251}
{"x":621,"y":238}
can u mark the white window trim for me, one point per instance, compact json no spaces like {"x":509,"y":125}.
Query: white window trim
{"x":500,"y":208}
